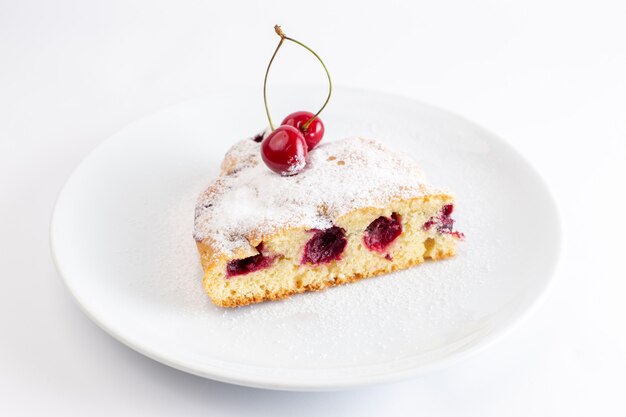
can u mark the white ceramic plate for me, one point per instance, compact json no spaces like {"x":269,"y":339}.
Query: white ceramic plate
{"x":121,"y":238}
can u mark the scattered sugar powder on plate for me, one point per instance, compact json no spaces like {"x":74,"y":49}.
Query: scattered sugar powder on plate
{"x":409,"y":307}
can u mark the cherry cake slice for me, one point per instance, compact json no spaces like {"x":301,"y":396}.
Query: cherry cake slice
{"x":356,"y":210}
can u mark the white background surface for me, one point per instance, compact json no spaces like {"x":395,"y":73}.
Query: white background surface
{"x":548,"y":76}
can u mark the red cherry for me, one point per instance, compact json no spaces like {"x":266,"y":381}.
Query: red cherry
{"x":313,"y":133}
{"x":382,"y":232}
{"x":284,"y":150}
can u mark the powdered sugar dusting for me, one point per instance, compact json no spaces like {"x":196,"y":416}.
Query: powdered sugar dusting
{"x":339,"y":176}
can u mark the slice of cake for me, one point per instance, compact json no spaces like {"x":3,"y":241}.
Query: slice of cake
{"x":356,"y":210}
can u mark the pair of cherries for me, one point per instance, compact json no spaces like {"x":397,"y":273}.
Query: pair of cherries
{"x":284,"y":150}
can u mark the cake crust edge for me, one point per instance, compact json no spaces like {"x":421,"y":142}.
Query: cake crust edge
{"x":244,"y":300}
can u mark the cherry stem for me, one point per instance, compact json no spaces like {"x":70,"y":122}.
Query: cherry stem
{"x":283,"y":37}
{"x":267,"y":110}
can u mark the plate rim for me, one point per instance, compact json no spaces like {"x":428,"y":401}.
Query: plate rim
{"x":297,"y":384}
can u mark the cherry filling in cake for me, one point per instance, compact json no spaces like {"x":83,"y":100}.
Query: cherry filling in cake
{"x":444,"y":222}
{"x":250,"y":264}
{"x":325,"y":246}
{"x":382,"y":232}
